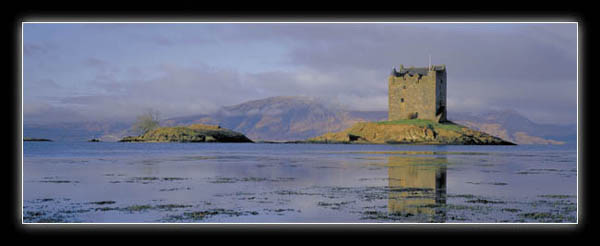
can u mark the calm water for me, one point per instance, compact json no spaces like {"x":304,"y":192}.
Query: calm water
{"x":218,"y":182}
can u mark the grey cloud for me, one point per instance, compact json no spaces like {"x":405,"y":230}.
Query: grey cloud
{"x":42,"y":84}
{"x":32,"y":49}
{"x":503,"y":55}
{"x":552,"y":102}
{"x":161,"y":40}
{"x":86,"y":100}
{"x":202,"y":89}
{"x":180,"y":91}
{"x":531,"y":68}
{"x":523,"y":52}
{"x":145,"y":33}
{"x":37,"y":49}
{"x":37,"y":112}
{"x":95,"y":62}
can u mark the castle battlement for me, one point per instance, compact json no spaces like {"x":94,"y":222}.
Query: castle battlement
{"x":417,"y":93}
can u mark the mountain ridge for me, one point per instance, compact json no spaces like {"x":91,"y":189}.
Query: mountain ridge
{"x":290,"y":118}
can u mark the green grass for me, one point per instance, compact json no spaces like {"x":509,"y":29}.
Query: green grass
{"x":424,"y":123}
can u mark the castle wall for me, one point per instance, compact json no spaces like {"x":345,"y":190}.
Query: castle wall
{"x":418,"y":93}
{"x":441,"y":105}
{"x":413,"y":97}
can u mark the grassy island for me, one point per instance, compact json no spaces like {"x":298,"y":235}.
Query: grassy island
{"x":191,"y":133}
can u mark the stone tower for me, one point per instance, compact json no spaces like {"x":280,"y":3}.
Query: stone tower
{"x":417,"y":93}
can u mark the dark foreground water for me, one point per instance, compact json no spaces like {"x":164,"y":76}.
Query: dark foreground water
{"x":296,"y":183}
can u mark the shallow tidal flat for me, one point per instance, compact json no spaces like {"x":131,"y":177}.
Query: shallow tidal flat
{"x":289,"y":183}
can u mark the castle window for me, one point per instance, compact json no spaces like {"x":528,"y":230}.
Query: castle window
{"x":401,"y":99}
{"x":404,"y":87}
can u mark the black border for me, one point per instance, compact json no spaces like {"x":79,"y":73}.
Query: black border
{"x":499,"y":14}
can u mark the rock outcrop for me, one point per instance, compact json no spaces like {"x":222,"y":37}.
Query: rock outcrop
{"x":191,"y":133}
{"x":409,"y":132}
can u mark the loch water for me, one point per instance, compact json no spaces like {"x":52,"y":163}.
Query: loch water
{"x":108,"y":182}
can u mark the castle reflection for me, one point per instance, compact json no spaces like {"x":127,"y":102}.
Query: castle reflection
{"x":417,"y":188}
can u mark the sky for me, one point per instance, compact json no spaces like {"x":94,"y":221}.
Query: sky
{"x":115,"y":71}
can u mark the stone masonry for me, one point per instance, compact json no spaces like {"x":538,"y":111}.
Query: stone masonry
{"x":417,"y":93}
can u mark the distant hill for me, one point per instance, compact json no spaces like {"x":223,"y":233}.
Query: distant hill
{"x":514,"y":127}
{"x":300,"y":118}
{"x":282,"y":118}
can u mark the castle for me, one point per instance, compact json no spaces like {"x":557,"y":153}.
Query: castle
{"x":417,"y":93}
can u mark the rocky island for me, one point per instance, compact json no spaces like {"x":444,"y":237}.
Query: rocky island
{"x":37,"y":140}
{"x":191,"y":133}
{"x":414,"y":131}
{"x":417,"y":114}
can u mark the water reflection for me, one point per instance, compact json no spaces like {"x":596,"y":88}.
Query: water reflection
{"x":417,"y":188}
